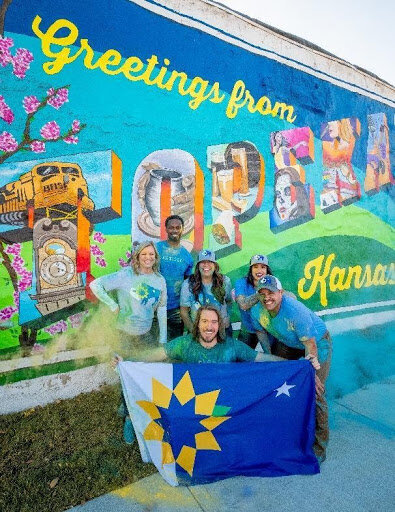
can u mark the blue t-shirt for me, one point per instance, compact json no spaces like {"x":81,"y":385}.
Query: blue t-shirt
{"x":207,"y":297}
{"x":293,"y":324}
{"x":243,"y":287}
{"x":175,"y":266}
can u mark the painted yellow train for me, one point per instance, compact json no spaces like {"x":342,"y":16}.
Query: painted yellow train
{"x":46,"y":185}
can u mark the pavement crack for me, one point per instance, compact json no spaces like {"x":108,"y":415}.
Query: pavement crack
{"x":382,"y":427}
{"x":197,"y":501}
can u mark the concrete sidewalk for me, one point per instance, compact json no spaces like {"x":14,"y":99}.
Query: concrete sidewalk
{"x":357,"y":476}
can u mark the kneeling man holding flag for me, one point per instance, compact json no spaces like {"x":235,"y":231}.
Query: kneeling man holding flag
{"x":201,"y":422}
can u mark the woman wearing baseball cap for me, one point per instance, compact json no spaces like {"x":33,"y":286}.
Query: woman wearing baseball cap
{"x":206,"y":286}
{"x":246,"y":296}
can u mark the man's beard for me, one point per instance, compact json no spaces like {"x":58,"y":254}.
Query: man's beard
{"x":209,"y":339}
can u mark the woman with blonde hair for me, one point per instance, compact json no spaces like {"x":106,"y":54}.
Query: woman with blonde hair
{"x":139,"y":290}
{"x":340,"y":183}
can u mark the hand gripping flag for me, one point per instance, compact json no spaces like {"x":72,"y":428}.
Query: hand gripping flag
{"x":203,"y":422}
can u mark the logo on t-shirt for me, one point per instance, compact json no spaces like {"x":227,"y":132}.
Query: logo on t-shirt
{"x":145,"y":292}
{"x":290,"y":325}
{"x":264,"y":320}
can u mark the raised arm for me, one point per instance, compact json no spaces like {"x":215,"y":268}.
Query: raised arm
{"x":100,"y":287}
{"x":245,"y":302}
{"x":311,"y":352}
{"x":153,"y":355}
{"x":264,"y":341}
{"x":185,"y":305}
{"x":264,"y":358}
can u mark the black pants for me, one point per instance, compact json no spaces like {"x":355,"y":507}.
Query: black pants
{"x":281,"y":350}
{"x":175,"y":325}
{"x":249,"y":338}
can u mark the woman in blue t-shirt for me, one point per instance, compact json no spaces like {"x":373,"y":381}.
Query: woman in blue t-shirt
{"x":246,"y":296}
{"x":206,"y":286}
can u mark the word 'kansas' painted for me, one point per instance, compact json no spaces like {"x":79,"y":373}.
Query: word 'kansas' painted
{"x":319,"y":273}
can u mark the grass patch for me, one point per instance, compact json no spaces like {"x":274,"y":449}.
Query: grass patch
{"x":77,"y":441}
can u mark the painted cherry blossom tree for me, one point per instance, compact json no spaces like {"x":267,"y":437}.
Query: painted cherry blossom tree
{"x":19,"y":60}
{"x":50,"y":131}
{"x":97,"y":251}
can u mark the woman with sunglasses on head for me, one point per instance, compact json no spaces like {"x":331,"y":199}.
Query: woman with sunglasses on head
{"x":206,"y":286}
{"x":246,"y":296}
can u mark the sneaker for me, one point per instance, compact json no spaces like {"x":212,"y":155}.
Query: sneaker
{"x":122,"y":411}
{"x":128,"y":432}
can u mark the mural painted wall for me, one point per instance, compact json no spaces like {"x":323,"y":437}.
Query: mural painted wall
{"x":115,"y":116}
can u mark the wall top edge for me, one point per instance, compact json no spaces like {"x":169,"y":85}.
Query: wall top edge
{"x":259,"y":38}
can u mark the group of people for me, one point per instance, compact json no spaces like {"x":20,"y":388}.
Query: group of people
{"x":160,"y":296}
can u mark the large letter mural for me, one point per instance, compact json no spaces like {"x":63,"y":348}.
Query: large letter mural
{"x":54,"y":203}
{"x":340,"y":185}
{"x":238,"y":181}
{"x":168,"y":182}
{"x":293,"y":198}
{"x":378,"y":167}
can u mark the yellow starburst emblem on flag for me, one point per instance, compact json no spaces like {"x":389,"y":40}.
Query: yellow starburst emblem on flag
{"x":205,"y":405}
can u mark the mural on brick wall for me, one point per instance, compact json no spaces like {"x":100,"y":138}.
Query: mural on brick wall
{"x":106,"y":133}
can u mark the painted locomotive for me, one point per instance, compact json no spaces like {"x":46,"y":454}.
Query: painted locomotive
{"x":46,"y":185}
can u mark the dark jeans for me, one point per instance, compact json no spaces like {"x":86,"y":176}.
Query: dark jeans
{"x":131,"y":345}
{"x":249,"y":338}
{"x":281,"y":350}
{"x":321,"y":408}
{"x":130,"y":348}
{"x":175,"y":325}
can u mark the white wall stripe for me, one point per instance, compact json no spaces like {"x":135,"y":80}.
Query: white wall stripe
{"x":358,"y":307}
{"x":43,"y":359}
{"x":245,"y":33}
{"x":27,"y":394}
{"x":359,"y":322}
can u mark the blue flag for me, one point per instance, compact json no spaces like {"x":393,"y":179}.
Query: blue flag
{"x":203,"y":422}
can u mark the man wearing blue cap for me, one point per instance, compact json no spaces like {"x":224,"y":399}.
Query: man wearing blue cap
{"x":299,"y":332}
{"x":175,"y":265}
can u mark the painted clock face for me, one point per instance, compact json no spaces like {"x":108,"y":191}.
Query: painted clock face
{"x":57,"y":269}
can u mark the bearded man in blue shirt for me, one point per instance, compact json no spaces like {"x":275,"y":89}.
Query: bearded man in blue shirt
{"x":298,"y":332}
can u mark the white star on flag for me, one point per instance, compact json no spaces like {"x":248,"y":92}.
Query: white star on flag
{"x":284,"y":389}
